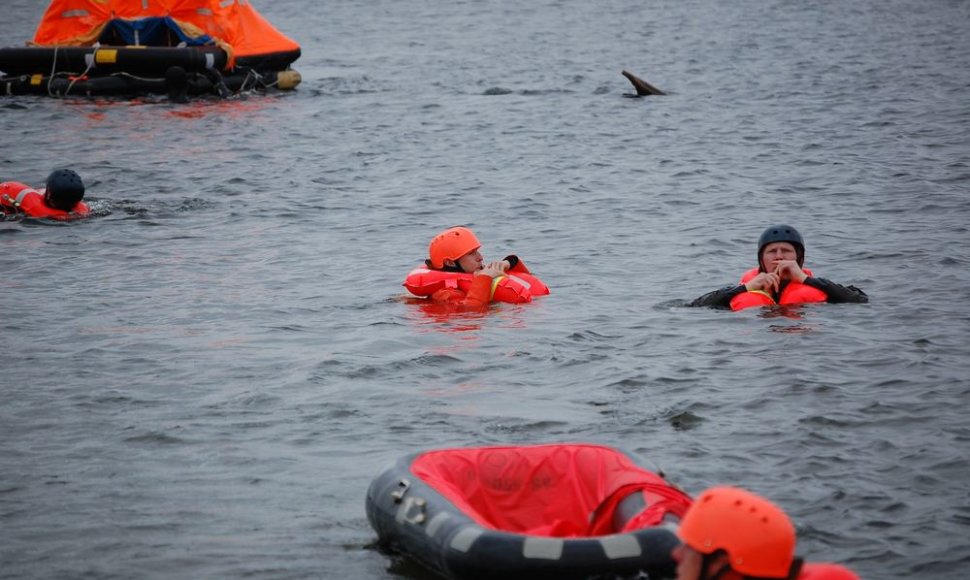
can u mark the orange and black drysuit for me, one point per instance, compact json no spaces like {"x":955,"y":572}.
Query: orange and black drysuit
{"x":17,"y":198}
{"x":789,"y":292}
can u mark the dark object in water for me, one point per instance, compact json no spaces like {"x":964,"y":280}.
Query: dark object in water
{"x":643,"y":87}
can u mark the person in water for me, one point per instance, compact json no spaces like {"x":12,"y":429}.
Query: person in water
{"x":61,"y":198}
{"x":780,"y":278}
{"x":458,"y":275}
{"x":732,"y":534}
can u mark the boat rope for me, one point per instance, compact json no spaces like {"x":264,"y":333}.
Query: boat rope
{"x":85,"y":73}
{"x":53,"y":68}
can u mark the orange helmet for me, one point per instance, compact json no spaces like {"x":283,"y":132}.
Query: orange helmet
{"x":757,"y":536}
{"x":452,"y":244}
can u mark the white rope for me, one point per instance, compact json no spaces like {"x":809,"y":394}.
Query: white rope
{"x":53,"y":68}
{"x":94,"y":56}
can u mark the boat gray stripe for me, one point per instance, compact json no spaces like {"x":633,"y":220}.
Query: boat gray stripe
{"x":465,"y":537}
{"x":436,"y":522}
{"x":621,"y":546}
{"x":542,"y":548}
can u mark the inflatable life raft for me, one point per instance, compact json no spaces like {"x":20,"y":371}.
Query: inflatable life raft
{"x":134,"y":47}
{"x":561,"y":511}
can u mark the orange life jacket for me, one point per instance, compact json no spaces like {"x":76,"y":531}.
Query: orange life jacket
{"x":793,"y":293}
{"x":825,"y":571}
{"x":16,"y":197}
{"x":512,"y":287}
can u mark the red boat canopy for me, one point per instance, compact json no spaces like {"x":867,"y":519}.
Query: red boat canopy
{"x":565,"y":490}
{"x":235,"y":23}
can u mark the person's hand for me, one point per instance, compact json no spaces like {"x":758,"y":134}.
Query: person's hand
{"x":493,"y":269}
{"x":790,"y":270}
{"x":765,"y":281}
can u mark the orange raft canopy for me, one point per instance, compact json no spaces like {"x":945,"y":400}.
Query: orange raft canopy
{"x":177,"y":47}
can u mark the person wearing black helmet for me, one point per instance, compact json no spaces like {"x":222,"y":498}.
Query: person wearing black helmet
{"x":61,"y":198}
{"x":780,"y":278}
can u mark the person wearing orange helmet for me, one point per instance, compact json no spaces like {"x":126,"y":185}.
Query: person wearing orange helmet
{"x":59,"y":200}
{"x":457,"y":274}
{"x":780,"y":278}
{"x":732,"y":534}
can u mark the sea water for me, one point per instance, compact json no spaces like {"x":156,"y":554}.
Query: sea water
{"x":202,"y":381}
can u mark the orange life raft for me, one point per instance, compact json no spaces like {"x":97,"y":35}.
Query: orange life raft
{"x":136,"y":47}
{"x":562,"y":511}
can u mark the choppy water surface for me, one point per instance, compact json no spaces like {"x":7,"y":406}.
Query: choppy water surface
{"x":202,"y":383}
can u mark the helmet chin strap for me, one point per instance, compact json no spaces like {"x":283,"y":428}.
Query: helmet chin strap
{"x":707,"y":562}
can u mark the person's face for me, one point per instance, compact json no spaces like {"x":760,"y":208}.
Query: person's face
{"x":471,"y":262}
{"x":777,"y":252}
{"x":689,"y":562}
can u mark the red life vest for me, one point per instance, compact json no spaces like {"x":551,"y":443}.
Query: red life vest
{"x":793,"y":293}
{"x":19,"y":198}
{"x":513,"y":287}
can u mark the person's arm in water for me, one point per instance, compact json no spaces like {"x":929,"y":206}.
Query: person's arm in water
{"x":837,"y":293}
{"x":720,"y":298}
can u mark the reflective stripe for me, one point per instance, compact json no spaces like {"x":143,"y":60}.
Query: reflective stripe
{"x":620,"y":546}
{"x":542,"y":548}
{"x":20,"y":196}
{"x":520,"y":281}
{"x":763,"y":293}
{"x":79,"y":13}
{"x":463,"y":540}
{"x":495,"y":282}
{"x":435,"y":523}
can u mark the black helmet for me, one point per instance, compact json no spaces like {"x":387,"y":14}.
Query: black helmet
{"x":64,"y":189}
{"x":782,"y":233}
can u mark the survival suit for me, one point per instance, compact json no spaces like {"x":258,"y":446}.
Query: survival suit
{"x":811,"y":290}
{"x":17,"y":198}
{"x":516,"y":286}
